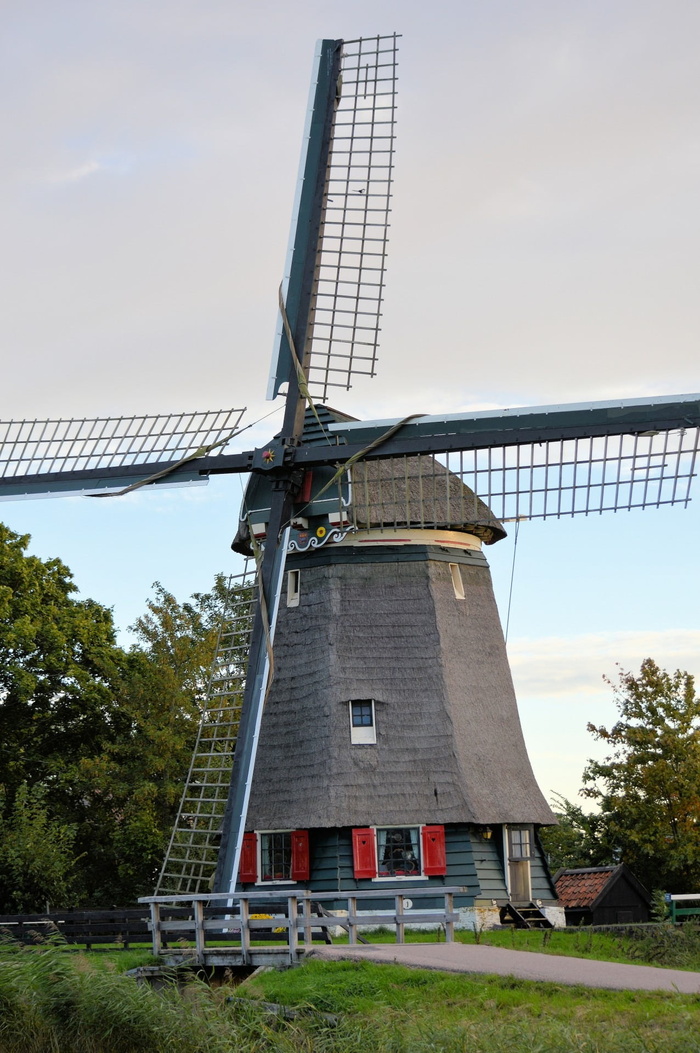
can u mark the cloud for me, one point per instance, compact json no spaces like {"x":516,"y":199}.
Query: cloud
{"x":74,"y":175}
{"x":576,"y":665}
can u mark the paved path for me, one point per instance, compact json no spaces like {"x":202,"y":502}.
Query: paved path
{"x":527,"y":965}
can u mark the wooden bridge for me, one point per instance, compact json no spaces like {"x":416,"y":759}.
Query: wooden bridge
{"x":227,"y":929}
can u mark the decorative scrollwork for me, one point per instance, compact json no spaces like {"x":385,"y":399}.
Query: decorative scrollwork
{"x":313,"y":542}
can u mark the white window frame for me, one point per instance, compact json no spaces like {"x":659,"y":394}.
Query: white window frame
{"x":399,"y":877}
{"x":275,"y":881}
{"x":293,"y":587}
{"x":364,"y":735}
{"x":457,"y":581}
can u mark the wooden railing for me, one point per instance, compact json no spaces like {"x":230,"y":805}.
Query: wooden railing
{"x":114,"y":928}
{"x":687,"y":911}
{"x":225,"y":925}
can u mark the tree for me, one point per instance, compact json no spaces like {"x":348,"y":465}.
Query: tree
{"x":98,"y":737}
{"x":577,"y":840}
{"x":58,"y":662}
{"x":181,"y":637}
{"x":37,"y":854}
{"x":648,"y":788}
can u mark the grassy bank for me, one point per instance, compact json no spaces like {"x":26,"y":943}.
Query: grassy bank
{"x":51,"y":1001}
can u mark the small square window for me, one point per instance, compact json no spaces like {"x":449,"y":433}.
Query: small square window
{"x":293,"y":584}
{"x":362,"y":726}
{"x":362,"y":716}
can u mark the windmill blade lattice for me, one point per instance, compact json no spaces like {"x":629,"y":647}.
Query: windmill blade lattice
{"x":81,"y":451}
{"x":192,"y":854}
{"x":582,"y":476}
{"x":351,"y":268}
{"x":340,"y":329}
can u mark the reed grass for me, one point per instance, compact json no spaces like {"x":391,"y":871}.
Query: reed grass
{"x":53,"y":1002}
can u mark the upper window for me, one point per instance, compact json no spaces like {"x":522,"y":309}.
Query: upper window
{"x":362,"y":725}
{"x":293,"y":584}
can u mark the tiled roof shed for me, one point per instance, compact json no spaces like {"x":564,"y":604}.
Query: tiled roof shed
{"x":602,"y":896}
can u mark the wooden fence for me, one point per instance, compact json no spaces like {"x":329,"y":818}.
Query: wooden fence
{"x":116,"y":928}
{"x":223,"y":928}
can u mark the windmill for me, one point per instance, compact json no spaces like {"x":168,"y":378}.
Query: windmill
{"x":361,"y":670}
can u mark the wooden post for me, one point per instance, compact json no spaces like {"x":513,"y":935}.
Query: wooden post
{"x":155,"y":929}
{"x":199,"y":929}
{"x":399,"y":920}
{"x":308,"y":938}
{"x":352,"y":926}
{"x":292,"y":906}
{"x":245,"y":930}
{"x":449,"y":925}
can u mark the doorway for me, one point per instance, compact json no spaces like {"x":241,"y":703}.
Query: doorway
{"x":519,"y":844}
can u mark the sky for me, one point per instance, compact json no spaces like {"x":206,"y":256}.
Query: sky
{"x":543,"y":249}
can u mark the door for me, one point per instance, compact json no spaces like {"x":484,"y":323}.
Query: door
{"x":519,"y":839}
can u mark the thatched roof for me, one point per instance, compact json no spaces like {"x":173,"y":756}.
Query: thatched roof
{"x":418,"y":492}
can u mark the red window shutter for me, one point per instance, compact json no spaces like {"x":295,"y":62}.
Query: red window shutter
{"x":363,"y":853}
{"x":301,"y":867}
{"x":248,"y":868}
{"x":434,"y":858}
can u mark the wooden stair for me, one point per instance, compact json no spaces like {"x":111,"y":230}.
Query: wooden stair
{"x":524,"y":916}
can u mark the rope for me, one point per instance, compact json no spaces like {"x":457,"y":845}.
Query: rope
{"x":201,"y":452}
{"x":301,"y":376}
{"x":513,"y":572}
{"x":363,"y":453}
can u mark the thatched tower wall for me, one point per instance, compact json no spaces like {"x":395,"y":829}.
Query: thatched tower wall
{"x":383,"y":622}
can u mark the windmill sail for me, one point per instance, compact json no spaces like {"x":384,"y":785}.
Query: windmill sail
{"x":555,"y":479}
{"x":348,"y":261}
{"x":105,"y":453}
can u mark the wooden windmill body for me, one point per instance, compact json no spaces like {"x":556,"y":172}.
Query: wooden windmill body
{"x":364,"y":684}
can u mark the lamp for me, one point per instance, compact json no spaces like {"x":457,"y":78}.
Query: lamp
{"x":487,"y":833}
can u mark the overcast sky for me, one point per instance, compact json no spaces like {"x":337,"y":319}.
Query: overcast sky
{"x":544,"y":248}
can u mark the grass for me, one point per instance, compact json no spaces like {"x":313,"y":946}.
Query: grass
{"x":53,"y":1002}
{"x":417,"y":1010}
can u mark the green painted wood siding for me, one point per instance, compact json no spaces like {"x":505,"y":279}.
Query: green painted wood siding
{"x":488,"y":861}
{"x":332,"y":865}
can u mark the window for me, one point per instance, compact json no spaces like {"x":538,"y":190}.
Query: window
{"x":457,"y":583}
{"x":275,"y":855}
{"x":363,"y":730}
{"x":519,"y":842}
{"x":398,"y":852}
{"x":293,"y":583}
